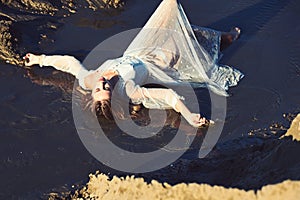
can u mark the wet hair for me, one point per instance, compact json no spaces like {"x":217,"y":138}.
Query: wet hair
{"x":103,"y":108}
{"x":137,"y":112}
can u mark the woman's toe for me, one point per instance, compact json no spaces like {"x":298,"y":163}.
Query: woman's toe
{"x":236,"y":31}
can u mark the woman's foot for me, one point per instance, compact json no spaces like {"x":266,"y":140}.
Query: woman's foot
{"x":235,"y":33}
{"x":228,"y":37}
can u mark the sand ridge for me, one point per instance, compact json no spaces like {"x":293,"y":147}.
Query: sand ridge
{"x":100,"y":187}
{"x":294,"y":129}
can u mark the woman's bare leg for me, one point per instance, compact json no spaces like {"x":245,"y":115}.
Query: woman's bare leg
{"x":228,"y":37}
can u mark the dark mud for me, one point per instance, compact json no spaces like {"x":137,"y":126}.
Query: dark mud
{"x":25,"y":23}
{"x":40,"y":150}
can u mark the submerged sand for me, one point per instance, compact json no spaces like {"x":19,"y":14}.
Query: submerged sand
{"x":100,"y":186}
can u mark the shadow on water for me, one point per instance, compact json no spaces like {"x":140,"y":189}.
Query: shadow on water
{"x":252,"y":19}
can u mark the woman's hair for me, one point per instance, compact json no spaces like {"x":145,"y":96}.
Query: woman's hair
{"x":103,"y":108}
{"x":137,"y":112}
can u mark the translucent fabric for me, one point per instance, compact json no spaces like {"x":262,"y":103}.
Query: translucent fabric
{"x":167,"y":42}
{"x":167,"y":51}
{"x":133,"y":74}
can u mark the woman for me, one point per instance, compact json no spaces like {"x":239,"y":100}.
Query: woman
{"x":168,"y":50}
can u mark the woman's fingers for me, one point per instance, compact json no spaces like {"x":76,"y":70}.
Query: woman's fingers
{"x":211,"y":122}
{"x":26,"y":59}
{"x":200,"y":121}
{"x":30,"y":59}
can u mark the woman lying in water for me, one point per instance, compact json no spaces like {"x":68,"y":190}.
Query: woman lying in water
{"x":167,"y":51}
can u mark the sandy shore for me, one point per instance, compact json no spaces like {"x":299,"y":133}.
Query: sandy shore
{"x":100,"y":187}
{"x":294,"y":129}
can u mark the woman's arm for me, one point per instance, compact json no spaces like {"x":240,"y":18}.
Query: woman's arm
{"x":65,"y":63}
{"x":168,"y":96}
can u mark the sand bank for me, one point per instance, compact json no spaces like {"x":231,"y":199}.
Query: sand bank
{"x":294,"y":130}
{"x":100,"y":187}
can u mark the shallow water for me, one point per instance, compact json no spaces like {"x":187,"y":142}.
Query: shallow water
{"x":40,"y":150}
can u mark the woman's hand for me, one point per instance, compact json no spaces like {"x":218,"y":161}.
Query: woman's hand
{"x":192,"y":118}
{"x":196,"y":120}
{"x":31,"y":59}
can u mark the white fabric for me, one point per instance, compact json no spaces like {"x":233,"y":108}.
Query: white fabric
{"x":169,"y":43}
{"x":165,"y":51}
{"x":133,"y":74}
{"x":153,"y":98}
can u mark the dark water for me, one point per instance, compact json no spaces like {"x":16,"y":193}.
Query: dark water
{"x":40,"y":150}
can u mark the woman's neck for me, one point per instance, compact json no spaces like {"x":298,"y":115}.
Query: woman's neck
{"x":91,"y":80}
{"x":109,"y":74}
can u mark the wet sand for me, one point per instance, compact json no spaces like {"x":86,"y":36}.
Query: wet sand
{"x":40,"y":150}
{"x":101,"y":186}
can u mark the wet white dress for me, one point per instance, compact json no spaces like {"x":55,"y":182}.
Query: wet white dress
{"x":168,"y":51}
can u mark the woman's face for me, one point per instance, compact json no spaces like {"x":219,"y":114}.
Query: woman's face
{"x":102,"y":90}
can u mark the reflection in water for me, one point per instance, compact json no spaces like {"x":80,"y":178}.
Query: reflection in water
{"x":156,"y":140}
{"x":57,"y":79}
